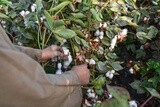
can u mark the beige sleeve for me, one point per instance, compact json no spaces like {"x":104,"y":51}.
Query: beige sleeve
{"x":33,"y":53}
{"x":24,"y":83}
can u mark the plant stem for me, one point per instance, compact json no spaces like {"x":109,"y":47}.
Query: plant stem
{"x":43,"y":40}
{"x":48,"y":38}
{"x":148,"y":99}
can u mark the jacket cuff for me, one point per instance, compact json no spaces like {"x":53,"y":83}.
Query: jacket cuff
{"x":68,"y":78}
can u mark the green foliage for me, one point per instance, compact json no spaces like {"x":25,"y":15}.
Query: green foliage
{"x":76,"y":21}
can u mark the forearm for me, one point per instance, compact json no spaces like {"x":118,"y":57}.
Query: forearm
{"x":35,"y":54}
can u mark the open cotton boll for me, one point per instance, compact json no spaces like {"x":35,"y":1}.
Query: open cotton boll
{"x":65,"y":50}
{"x":67,"y":62}
{"x":33,"y":7}
{"x":104,"y":25}
{"x":22,"y":13}
{"x":101,"y":33}
{"x":124,"y":32}
{"x":133,"y":103}
{"x":100,"y":25}
{"x":91,"y":95}
{"x":27,"y":12}
{"x":92,"y":62}
{"x":113,"y":43}
{"x":97,"y":33}
{"x":131,"y":70}
{"x":101,"y":37}
{"x":59,"y":66}
{"x":109,"y":74}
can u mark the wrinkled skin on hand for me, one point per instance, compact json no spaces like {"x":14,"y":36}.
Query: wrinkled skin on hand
{"x":52,"y":52}
{"x":82,"y":72}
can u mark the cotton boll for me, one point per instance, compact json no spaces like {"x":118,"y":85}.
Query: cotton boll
{"x":112,"y":71}
{"x":87,"y":103}
{"x":67,"y":63}
{"x":59,"y":66}
{"x":109,"y":74}
{"x":104,"y":25}
{"x":96,"y":40}
{"x":133,"y":103}
{"x":97,"y":33}
{"x":63,"y":41}
{"x":101,"y":37}
{"x":131,"y":70}
{"x":65,"y":50}
{"x":89,"y":90}
{"x":113,"y":43}
{"x":92,"y":62}
{"x":100,"y":25}
{"x":20,"y":43}
{"x":110,"y":96}
{"x":59,"y":71}
{"x":33,"y":7}
{"x":101,"y":33}
{"x":124,"y":32}
{"x":26,"y":13}
{"x":22,"y":13}
{"x":91,"y":95}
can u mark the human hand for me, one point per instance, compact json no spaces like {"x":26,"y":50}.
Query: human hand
{"x":51,"y":52}
{"x":82,"y":72}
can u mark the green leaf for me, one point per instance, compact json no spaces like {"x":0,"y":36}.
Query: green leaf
{"x":116,"y":66}
{"x":137,"y":86}
{"x":85,"y":44}
{"x":120,"y":97}
{"x":79,"y":33}
{"x":101,"y":67}
{"x":65,"y":33}
{"x":153,"y":92}
{"x":140,"y":53}
{"x":142,"y":36}
{"x":78,"y":22}
{"x":115,"y":103}
{"x":114,"y":7}
{"x":25,"y":33}
{"x":58,"y":24}
{"x":3,"y":16}
{"x":50,"y":20}
{"x":118,"y":92}
{"x":39,"y":5}
{"x":78,"y":15}
{"x":96,"y":14}
{"x":99,"y":82}
{"x":152,"y":32}
{"x":112,"y":55}
{"x":99,"y":91}
{"x":60,"y":6}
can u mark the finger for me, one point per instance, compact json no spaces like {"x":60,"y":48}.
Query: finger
{"x":53,"y":47}
{"x":65,"y":57}
{"x":58,"y":53}
{"x":59,"y":48}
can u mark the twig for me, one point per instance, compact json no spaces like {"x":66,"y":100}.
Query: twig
{"x":146,"y":101}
